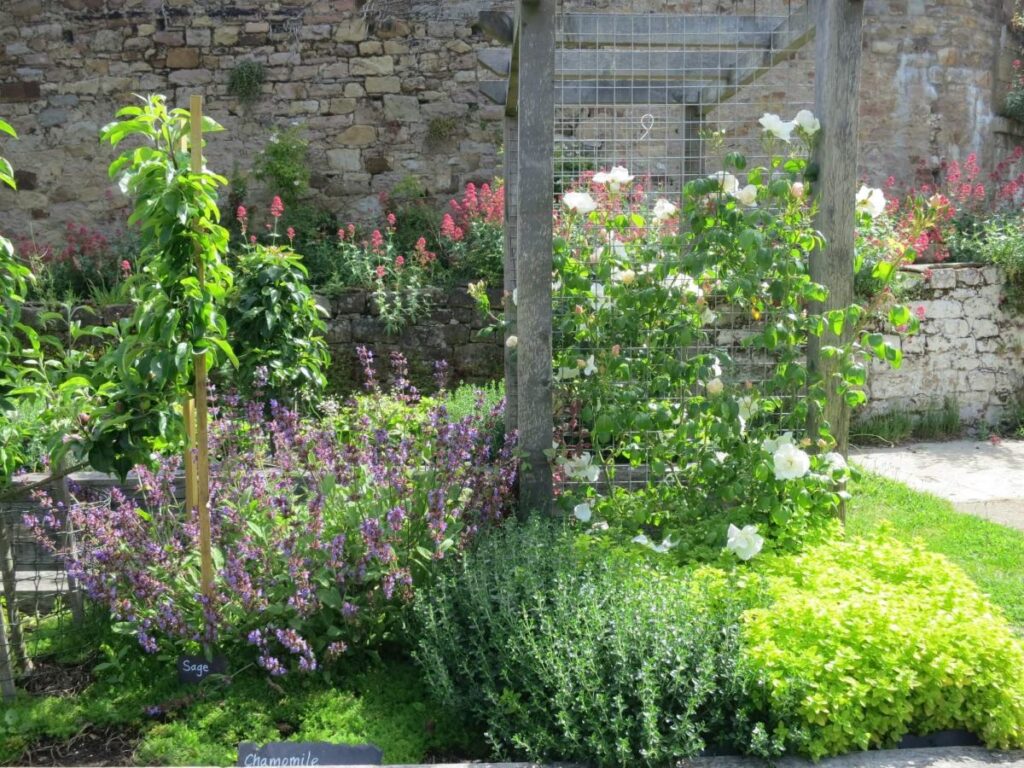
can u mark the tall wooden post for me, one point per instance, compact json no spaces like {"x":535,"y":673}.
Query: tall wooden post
{"x":17,"y":648}
{"x":839,"y":25}
{"x":536,"y":112}
{"x":511,"y":158}
{"x":202,"y":491}
{"x":7,"y":691}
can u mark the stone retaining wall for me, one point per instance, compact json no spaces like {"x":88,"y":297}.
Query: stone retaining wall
{"x":451,"y":332}
{"x":970,"y":348}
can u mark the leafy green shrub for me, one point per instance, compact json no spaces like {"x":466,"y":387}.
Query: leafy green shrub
{"x":277,"y":328}
{"x":1003,"y":245}
{"x":868,"y":640}
{"x":283,"y":165}
{"x":245,"y":81}
{"x":597,"y":662}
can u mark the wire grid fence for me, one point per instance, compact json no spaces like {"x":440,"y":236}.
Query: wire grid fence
{"x":666,"y":88}
{"x":37,"y":596}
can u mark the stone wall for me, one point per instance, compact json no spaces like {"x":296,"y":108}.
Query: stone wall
{"x":450,"y":333}
{"x":969,"y":348}
{"x":391,"y":89}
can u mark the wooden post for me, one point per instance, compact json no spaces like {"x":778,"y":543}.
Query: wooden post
{"x":202,"y":498}
{"x":63,"y":494}
{"x":10,"y":593}
{"x":511,"y":218}
{"x":839,"y":25}
{"x":536,"y":113}
{"x":6,"y":668}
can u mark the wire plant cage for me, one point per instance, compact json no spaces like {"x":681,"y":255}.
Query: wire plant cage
{"x":666,"y":89}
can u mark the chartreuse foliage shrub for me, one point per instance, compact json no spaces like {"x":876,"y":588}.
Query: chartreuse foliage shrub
{"x":558,"y":654}
{"x":867,"y":640}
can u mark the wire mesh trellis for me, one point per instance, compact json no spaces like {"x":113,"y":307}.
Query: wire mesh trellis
{"x":667,"y":90}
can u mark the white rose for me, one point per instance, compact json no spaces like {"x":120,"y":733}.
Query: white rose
{"x":581,"y":468}
{"x":512,"y":342}
{"x":615,"y":245}
{"x":871,"y":200}
{"x":790,"y":462}
{"x":715,"y":387}
{"x":807,"y":122}
{"x":772,"y":445}
{"x":600,"y":301}
{"x":614,"y":178}
{"x":664,"y":210}
{"x":747,"y":195}
{"x":835,"y":462}
{"x":744,"y":542}
{"x":797,"y":189}
{"x":590,"y":369}
{"x":624,"y":276}
{"x":579,"y":202}
{"x":707,"y":317}
{"x":683,"y":283}
{"x":582,"y":512}
{"x":776,"y":126}
{"x":726,"y":181}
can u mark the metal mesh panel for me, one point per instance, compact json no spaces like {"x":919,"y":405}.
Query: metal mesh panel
{"x":667,"y":89}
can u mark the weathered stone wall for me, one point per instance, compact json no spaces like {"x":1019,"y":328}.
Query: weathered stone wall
{"x":450,"y":333}
{"x":391,"y":90}
{"x":969,"y":348}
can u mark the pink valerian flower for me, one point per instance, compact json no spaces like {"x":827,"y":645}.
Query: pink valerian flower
{"x":126,"y":267}
{"x":928,"y":274}
{"x":400,"y":261}
{"x":242,"y":216}
{"x":351,"y":230}
{"x":252,"y":239}
{"x":425,"y":257}
{"x":276,"y":207}
{"x":341,"y":233}
{"x":381,"y":271}
{"x":920,"y":312}
{"x":392,"y":220}
{"x":377,"y":240}
{"x":291,"y":234}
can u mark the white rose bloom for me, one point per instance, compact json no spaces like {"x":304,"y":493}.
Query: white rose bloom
{"x":512,"y":342}
{"x":683,"y":283}
{"x":721,"y":456}
{"x":590,"y":369}
{"x":716,"y":367}
{"x":807,"y":122}
{"x":790,"y":462}
{"x":715,"y":387}
{"x":776,"y":126}
{"x":797,"y":189}
{"x":616,"y":246}
{"x":664,"y":210}
{"x":582,"y":512}
{"x":836,"y":462}
{"x":707,"y":317}
{"x":582,"y":468}
{"x":871,"y":200}
{"x":772,"y":446}
{"x":579,"y":202}
{"x":614,"y":178}
{"x":726,"y":181}
{"x":744,"y":542}
{"x":746,"y":195}
{"x":600,"y":301}
{"x":624,"y":276}
{"x":747,"y":407}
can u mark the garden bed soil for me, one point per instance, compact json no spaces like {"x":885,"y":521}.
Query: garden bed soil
{"x":110,"y":746}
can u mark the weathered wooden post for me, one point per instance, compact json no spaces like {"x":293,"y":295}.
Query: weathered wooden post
{"x":511,"y":172}
{"x":6,"y":668}
{"x":13,"y":638}
{"x":839,"y":25}
{"x":533,"y":76}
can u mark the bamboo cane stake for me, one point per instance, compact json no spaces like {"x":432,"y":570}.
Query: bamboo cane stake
{"x":202,"y":414}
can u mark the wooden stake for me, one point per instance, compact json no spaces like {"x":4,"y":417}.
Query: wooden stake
{"x":6,"y":668}
{"x":202,"y":415}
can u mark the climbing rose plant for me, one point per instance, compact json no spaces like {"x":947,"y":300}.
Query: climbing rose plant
{"x":681,"y":352}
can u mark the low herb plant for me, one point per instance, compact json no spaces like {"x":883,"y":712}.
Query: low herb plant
{"x":322,"y":530}
{"x":868,"y":640}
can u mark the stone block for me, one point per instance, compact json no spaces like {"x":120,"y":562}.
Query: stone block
{"x":943,"y":278}
{"x":191,"y":77}
{"x":307,"y":107}
{"x":372,"y":65}
{"x":225,"y":35}
{"x":984,"y":329}
{"x":257,"y":27}
{"x":969,"y":276}
{"x":951,"y":329}
{"x":354,"y":91}
{"x":334,"y":71}
{"x":343,"y":159}
{"x":381,"y":85}
{"x":183,"y":58}
{"x":404,"y":109}
{"x":53,"y":116}
{"x":942,"y":309}
{"x":19,"y":91}
{"x":371,"y":48}
{"x":359,"y":136}
{"x":198,"y":37}
{"x":341,"y":106}
{"x":351,"y":30}
{"x":350,"y":303}
{"x":169,"y":37}
{"x":376,"y":164}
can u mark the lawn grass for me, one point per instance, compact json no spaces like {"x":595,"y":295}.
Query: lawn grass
{"x":992,"y":554}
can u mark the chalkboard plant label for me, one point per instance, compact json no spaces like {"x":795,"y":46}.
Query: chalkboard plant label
{"x":307,"y":753}
{"x":195,"y":669}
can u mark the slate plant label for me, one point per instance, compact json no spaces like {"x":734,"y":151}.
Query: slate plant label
{"x":195,"y":669}
{"x":307,"y":753}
